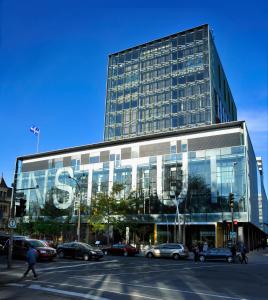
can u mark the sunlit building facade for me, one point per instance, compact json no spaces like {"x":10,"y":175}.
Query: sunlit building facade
{"x":195,"y":168}
{"x":170,"y":83}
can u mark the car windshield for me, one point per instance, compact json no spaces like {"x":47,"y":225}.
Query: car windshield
{"x":36,"y":243}
{"x":86,"y":246}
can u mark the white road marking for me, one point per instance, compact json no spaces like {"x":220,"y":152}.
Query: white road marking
{"x":109,"y":291}
{"x":74,"y":266}
{"x":151,"y":271}
{"x":62,"y":292}
{"x":147,"y":286}
{"x":15,"y":284}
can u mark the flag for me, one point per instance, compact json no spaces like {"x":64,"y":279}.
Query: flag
{"x":35,"y":130}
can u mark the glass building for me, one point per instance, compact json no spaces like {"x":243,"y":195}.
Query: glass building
{"x":166,"y":84}
{"x":190,"y":170}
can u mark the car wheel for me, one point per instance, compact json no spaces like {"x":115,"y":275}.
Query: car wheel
{"x":86,"y":257}
{"x":150,"y":255}
{"x":229,"y":259}
{"x":202,"y":258}
{"x":176,"y":256}
{"x":125,"y":253}
{"x":61,"y":254}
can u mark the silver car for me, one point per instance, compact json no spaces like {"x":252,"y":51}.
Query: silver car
{"x":172,"y":250}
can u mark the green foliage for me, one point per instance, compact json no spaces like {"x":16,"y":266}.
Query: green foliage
{"x":50,"y":210}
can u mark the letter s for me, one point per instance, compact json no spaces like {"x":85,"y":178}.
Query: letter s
{"x":63,"y":187}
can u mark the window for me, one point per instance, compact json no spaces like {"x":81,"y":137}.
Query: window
{"x":119,"y":118}
{"x":174,"y":122}
{"x":182,"y":80}
{"x":117,"y":131}
{"x":94,"y":159}
{"x":174,"y":81}
{"x":174,"y":108}
{"x":183,"y":147}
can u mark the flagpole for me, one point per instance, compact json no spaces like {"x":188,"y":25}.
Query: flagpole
{"x":38,"y":141}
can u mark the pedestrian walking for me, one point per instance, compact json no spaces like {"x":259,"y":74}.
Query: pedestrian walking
{"x":233,"y":250}
{"x":196,"y":253}
{"x":243,"y":255}
{"x":205,"y":247}
{"x":31,"y":259}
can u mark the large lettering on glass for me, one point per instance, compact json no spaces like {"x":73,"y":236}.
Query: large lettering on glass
{"x":63,"y":187}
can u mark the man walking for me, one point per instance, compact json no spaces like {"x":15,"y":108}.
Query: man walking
{"x":31,"y":259}
{"x":243,"y":255}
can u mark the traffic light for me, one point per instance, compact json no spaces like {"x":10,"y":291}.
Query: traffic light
{"x":22,"y":207}
{"x":231,"y":200}
{"x":235,"y":222}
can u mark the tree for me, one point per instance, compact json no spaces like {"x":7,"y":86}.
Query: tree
{"x":106,"y":208}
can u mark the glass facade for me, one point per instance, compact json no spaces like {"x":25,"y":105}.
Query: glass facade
{"x":160,"y":86}
{"x":201,"y":180}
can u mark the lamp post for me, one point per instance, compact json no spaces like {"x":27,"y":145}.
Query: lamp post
{"x":232,"y":206}
{"x":178,"y":218}
{"x":79,"y":208}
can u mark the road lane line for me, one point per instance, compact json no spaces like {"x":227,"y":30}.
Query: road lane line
{"x":63,"y":292}
{"x":146,"y":286}
{"x":74,"y":266}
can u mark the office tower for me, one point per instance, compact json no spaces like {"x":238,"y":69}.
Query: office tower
{"x":170,"y":83}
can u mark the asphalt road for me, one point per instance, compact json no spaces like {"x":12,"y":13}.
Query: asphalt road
{"x":141,"y":278}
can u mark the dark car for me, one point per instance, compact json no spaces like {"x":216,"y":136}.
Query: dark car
{"x":79,"y":250}
{"x":21,"y":246}
{"x":216,"y":254}
{"x":121,"y":249}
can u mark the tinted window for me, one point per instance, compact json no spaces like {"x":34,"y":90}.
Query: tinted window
{"x":36,"y":243}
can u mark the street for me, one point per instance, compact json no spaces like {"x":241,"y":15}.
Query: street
{"x":139,"y":278}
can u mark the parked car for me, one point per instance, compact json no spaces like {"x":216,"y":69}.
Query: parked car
{"x":79,"y":250}
{"x":216,"y":254}
{"x":21,"y":245}
{"x":121,"y":249}
{"x":171,"y":250}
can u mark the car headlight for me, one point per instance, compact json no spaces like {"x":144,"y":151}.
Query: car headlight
{"x":93,"y":252}
{"x":43,"y":251}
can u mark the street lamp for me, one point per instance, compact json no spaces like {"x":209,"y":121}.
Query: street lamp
{"x":79,"y":208}
{"x":177,"y":217}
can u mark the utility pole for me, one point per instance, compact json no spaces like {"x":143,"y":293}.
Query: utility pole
{"x":12,"y":215}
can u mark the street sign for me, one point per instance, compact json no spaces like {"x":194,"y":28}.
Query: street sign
{"x":232,"y":234}
{"x":12,"y":223}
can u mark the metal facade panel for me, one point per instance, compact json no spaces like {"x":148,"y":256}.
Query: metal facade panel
{"x":104,"y":156}
{"x":215,"y":141}
{"x":33,"y":166}
{"x":67,"y":161}
{"x":155,"y":149}
{"x":84,"y":159}
{"x":178,"y":146}
{"x":126,"y":153}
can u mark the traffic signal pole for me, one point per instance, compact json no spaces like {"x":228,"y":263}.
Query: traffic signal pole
{"x":12,"y":215}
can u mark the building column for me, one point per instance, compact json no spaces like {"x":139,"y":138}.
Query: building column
{"x":111,"y":176}
{"x":134,"y":175}
{"x":155,"y":233}
{"x":159,"y":176}
{"x":219,"y":239}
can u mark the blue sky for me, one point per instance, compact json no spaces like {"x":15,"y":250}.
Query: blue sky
{"x":54,"y":56}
